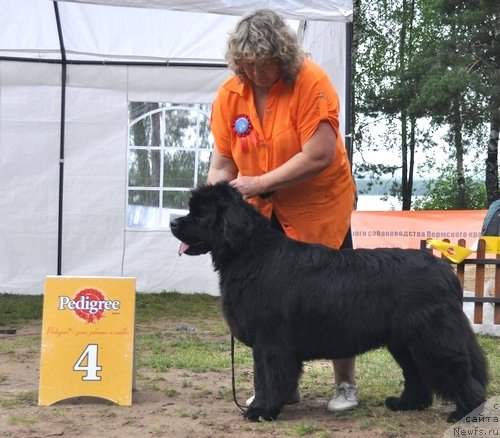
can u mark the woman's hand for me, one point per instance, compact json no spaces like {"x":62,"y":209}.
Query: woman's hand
{"x":248,"y":186}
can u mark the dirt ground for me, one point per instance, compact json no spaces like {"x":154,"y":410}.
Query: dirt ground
{"x":181,"y":404}
{"x":165,"y":405}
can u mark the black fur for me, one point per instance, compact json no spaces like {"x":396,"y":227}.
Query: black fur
{"x":291,"y":301}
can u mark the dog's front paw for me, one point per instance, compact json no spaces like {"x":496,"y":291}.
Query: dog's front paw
{"x":393,"y":403}
{"x":257,"y":414}
{"x":405,"y":404}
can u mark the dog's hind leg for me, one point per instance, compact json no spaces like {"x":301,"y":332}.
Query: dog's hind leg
{"x":464,"y":376}
{"x":468,"y":395}
{"x":416,"y":394}
{"x":276,"y":374}
{"x":455,"y":365}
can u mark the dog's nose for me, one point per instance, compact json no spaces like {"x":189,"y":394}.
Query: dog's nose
{"x":173,"y":224}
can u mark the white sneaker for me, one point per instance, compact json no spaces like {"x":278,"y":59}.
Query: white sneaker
{"x":249,"y":401}
{"x":345,"y":397}
{"x":295,"y":398}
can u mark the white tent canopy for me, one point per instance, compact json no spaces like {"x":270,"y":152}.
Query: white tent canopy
{"x":336,"y":10}
{"x":68,"y":71}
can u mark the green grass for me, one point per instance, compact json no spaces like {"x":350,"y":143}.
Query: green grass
{"x":188,"y":351}
{"x":207,"y":347}
{"x":23,"y":420}
{"x":174,"y":305}
{"x":29,"y":344}
{"x":163,"y":343}
{"x":491,"y":346}
{"x":18,"y":309}
{"x":19,"y":399}
{"x":306,"y":429}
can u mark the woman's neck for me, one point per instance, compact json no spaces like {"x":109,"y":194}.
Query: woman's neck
{"x":260,"y":96}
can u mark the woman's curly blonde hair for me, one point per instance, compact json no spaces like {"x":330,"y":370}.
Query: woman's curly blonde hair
{"x":264,"y":36}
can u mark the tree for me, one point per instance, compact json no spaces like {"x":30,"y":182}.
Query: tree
{"x":385,"y":86}
{"x":144,"y":168}
{"x":433,"y":60}
{"x":442,"y":192}
{"x":167,"y":172}
{"x":480,"y":44}
{"x":461,"y":87}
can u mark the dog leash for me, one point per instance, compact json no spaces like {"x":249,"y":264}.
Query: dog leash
{"x":233,"y":379}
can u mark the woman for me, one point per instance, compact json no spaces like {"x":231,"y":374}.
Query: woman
{"x":276,"y":130}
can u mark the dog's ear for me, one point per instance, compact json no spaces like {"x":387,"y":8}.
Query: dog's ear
{"x":238,"y":224}
{"x":228,"y":193}
{"x":237,"y":217}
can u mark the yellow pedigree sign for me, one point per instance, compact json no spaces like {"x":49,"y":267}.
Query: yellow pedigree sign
{"x":87,"y":339}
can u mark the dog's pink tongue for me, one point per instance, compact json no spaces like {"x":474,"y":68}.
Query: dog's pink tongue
{"x":183,"y":248}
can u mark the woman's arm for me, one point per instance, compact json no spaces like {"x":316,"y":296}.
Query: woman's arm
{"x":316,"y":155}
{"x":221,"y":168}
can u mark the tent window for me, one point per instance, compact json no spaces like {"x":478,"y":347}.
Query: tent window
{"x":169,"y":150}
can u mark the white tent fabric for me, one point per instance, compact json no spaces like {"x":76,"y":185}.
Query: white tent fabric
{"x":337,"y":10}
{"x":116,"y":54}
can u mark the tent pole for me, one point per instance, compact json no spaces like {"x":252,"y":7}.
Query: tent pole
{"x":348,"y":91}
{"x":61,"y":141}
{"x":162,"y":64}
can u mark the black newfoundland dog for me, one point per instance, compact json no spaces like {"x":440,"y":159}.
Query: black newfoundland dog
{"x":291,"y":301}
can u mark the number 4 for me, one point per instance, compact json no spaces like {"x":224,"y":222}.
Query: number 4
{"x":89,"y":356}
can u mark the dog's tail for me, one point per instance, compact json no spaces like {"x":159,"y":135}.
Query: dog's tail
{"x":450,"y":277}
{"x":478,"y":361}
{"x":477,"y":358}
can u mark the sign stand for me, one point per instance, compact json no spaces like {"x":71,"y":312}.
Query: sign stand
{"x":87,"y":339}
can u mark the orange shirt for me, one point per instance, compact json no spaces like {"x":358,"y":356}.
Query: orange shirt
{"x":317,"y":210}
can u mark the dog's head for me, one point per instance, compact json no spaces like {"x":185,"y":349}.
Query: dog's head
{"x":219,"y":221}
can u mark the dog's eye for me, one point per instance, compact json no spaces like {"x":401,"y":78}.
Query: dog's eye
{"x":195,"y":212}
{"x":202,"y":212}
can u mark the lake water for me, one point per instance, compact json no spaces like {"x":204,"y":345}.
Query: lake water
{"x":374,"y":203}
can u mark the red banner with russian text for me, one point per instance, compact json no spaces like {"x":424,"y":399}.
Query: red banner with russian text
{"x":405,"y":229}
